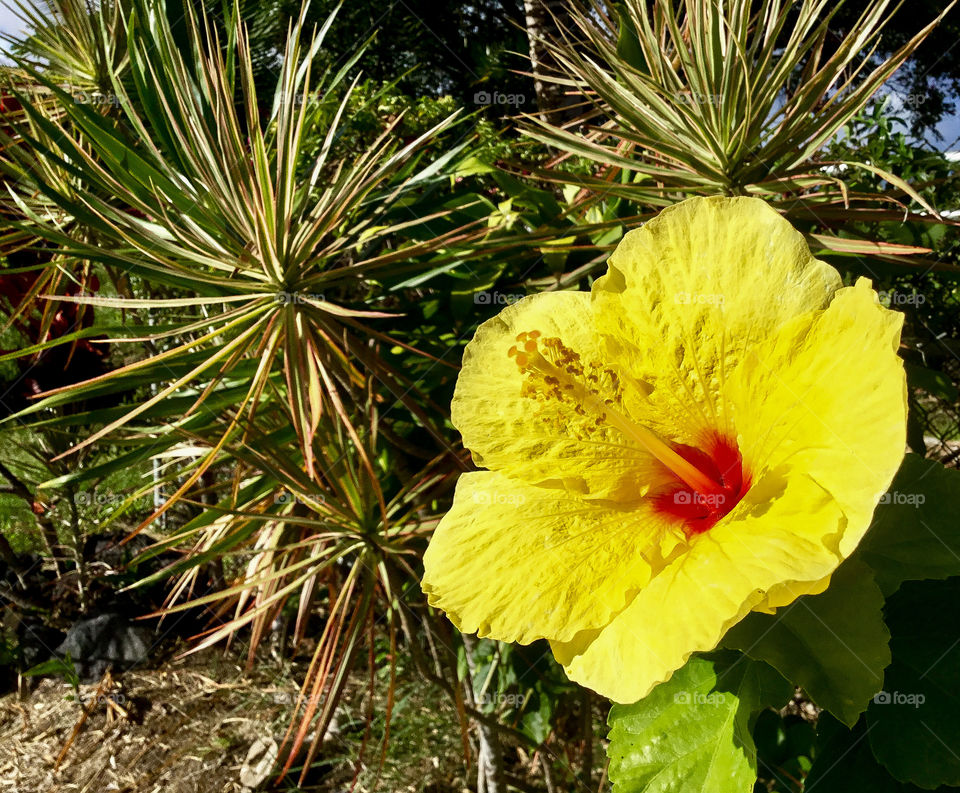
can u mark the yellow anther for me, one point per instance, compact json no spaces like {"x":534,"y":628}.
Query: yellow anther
{"x":551,"y":369}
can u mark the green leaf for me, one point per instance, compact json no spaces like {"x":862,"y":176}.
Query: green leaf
{"x":628,"y":43}
{"x":845,"y":763}
{"x":912,"y":725}
{"x":694,"y":731}
{"x":834,"y":645}
{"x":933,"y":382}
{"x":784,"y":746}
{"x":915,"y":533}
{"x":60,"y":667}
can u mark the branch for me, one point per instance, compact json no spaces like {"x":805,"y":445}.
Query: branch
{"x":16,"y":485}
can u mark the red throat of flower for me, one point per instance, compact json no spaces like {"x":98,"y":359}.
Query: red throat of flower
{"x":703,"y":485}
{"x":699,"y":509}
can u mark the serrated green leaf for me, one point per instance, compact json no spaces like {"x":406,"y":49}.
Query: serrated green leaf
{"x":694,"y":731}
{"x":913,"y":727}
{"x":834,"y":645}
{"x":915,"y":533}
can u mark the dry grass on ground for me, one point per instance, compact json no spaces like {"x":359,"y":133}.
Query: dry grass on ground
{"x":189,"y":727}
{"x":176,"y":730}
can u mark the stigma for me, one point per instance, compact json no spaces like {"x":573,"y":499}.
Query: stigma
{"x":699,"y":509}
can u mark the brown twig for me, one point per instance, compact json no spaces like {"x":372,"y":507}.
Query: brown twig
{"x":106,"y":683}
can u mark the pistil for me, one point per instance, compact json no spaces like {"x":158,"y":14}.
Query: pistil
{"x":567,"y":377}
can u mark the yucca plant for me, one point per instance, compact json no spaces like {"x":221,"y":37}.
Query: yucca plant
{"x":252,"y":281}
{"x":79,"y":44}
{"x":33,"y":266}
{"x":53,"y":346}
{"x":347,"y":545}
{"x":701,"y":97}
{"x":274,"y":263}
{"x":81,"y":47}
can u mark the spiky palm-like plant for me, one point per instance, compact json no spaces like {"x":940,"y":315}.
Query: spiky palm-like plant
{"x":277,"y":269}
{"x":700,"y":97}
{"x":347,"y":546}
{"x":78,"y":43}
{"x":253,"y":276}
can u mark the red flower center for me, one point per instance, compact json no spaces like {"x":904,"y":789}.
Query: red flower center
{"x":700,"y":509}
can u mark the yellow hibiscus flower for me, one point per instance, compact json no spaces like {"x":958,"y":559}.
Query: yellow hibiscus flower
{"x":704,"y":434}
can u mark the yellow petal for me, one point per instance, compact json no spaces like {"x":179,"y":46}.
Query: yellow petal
{"x":827,"y":396}
{"x":521,"y":563}
{"x":784,"y":594}
{"x":781,"y":532}
{"x":688,"y":293}
{"x":525,"y":428}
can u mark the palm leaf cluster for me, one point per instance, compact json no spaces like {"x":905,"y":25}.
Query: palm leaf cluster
{"x":699,"y":97}
{"x":250,"y":275}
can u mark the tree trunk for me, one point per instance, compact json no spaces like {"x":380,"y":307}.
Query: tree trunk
{"x":542,"y":18}
{"x":490,"y":773}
